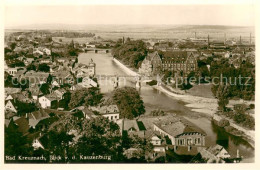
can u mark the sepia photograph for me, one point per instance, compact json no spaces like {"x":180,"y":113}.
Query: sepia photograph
{"x":129,"y":84}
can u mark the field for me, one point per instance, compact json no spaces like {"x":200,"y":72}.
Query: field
{"x":169,"y":32}
{"x":68,"y":40}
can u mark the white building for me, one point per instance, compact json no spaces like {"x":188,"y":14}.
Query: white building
{"x":10,"y":106}
{"x":46,"y":101}
{"x":109,"y":111}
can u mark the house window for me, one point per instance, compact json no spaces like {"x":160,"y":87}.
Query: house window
{"x":189,"y":141}
{"x":111,"y":117}
{"x":198,"y":141}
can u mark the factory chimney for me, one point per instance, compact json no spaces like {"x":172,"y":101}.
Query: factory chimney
{"x":250,"y":39}
{"x":225,"y":39}
{"x":208,"y":40}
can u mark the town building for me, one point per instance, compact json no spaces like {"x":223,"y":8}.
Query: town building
{"x":151,"y":65}
{"x":109,"y":111}
{"x":10,"y":105}
{"x":180,"y":132}
{"x":88,"y":82}
{"x":179,"y":61}
{"x":82,"y":70}
{"x":216,"y":153}
{"x":46,"y":101}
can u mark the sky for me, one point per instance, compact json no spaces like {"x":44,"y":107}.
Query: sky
{"x":235,"y":15}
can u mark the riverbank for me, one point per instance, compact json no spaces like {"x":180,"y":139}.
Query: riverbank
{"x":234,"y":129}
{"x":127,"y":70}
{"x":209,"y":107}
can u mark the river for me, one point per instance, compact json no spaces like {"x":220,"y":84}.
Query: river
{"x":154,"y":99}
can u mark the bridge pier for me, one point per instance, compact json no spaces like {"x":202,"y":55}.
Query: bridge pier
{"x":116,"y":83}
{"x":138,"y":82}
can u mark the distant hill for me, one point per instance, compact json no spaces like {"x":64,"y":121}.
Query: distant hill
{"x":147,"y":31}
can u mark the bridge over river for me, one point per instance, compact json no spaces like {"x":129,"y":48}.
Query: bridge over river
{"x":97,"y":50}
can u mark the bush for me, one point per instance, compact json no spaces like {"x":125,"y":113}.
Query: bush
{"x":249,"y":122}
{"x":233,"y":131}
{"x":252,"y":106}
{"x":223,"y":123}
{"x":239,"y":118}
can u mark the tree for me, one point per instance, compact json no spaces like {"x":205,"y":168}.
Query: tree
{"x":102,"y":137}
{"x":49,"y":79}
{"x":131,"y":52}
{"x":45,"y":88}
{"x":9,"y":82}
{"x":129,"y":102}
{"x":222,"y":95}
{"x":16,"y":144}
{"x":13,"y":45}
{"x":64,"y":102}
{"x":44,"y":67}
{"x":97,"y":136}
{"x":87,"y":97}
{"x":23,"y":108}
{"x":31,"y":67}
{"x":58,"y":143}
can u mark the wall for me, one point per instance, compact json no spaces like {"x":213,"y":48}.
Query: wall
{"x":126,"y":69}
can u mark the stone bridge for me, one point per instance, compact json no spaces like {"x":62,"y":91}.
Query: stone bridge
{"x":97,"y":50}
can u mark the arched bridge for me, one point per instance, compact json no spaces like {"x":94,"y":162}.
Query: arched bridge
{"x":97,"y":50}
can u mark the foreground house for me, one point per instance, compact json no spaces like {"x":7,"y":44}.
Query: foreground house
{"x":216,"y":153}
{"x":109,"y":111}
{"x":181,"y":133}
{"x":132,"y":127}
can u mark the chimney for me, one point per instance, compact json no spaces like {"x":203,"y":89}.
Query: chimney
{"x":208,"y":40}
{"x":195,"y":35}
{"x":122,"y":126}
{"x":240,"y":40}
{"x":225,"y":39}
{"x":250,"y":39}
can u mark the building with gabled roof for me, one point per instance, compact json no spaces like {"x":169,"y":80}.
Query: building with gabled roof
{"x":180,"y":132}
{"x":46,"y":101}
{"x":184,"y":61}
{"x":109,"y":111}
{"x":151,"y":65}
{"x":10,"y":105}
{"x":216,"y":153}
